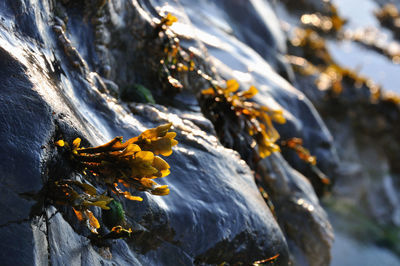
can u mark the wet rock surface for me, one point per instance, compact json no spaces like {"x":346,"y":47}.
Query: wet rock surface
{"x":63,"y":64}
{"x":295,"y":203}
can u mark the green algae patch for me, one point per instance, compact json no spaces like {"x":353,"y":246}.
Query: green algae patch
{"x":137,"y":93}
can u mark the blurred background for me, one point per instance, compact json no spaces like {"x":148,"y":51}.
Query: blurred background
{"x":351,"y":46}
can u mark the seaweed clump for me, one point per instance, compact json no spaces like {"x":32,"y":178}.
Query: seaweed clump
{"x":255,"y":119}
{"x":296,"y":145}
{"x":371,"y":39}
{"x":331,"y":23}
{"x":132,"y":164}
{"x":389,"y":17}
{"x":313,"y":59}
{"x":333,"y":89}
{"x":80,"y":196}
{"x":175,"y":60}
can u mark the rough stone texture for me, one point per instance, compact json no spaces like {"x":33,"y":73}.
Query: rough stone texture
{"x":60,"y":63}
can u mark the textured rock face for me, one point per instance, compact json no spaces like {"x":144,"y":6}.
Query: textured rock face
{"x":61,"y":62}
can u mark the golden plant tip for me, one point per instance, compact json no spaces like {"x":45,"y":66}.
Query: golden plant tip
{"x":209,"y":91}
{"x":161,"y":190}
{"x":174,"y":142}
{"x":147,"y":182}
{"x":326,"y":181}
{"x":279,"y":118}
{"x":60,"y":143}
{"x":261,"y":262}
{"x":160,"y":164}
{"x":116,"y":229}
{"x":169,"y":19}
{"x":78,"y":214}
{"x":130,"y":197}
{"x":119,"y":229}
{"x":170,"y":135}
{"x":250,"y":93}
{"x":231,"y":86}
{"x":76,"y":143}
{"x":92,"y":219}
{"x":303,"y":153}
{"x":165,"y":172}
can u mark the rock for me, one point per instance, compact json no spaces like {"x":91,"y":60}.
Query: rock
{"x":214,"y":213}
{"x":26,"y":125}
{"x":299,"y":214}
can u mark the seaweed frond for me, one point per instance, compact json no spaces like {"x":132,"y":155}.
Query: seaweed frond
{"x":132,"y":164}
{"x":258,"y":119}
